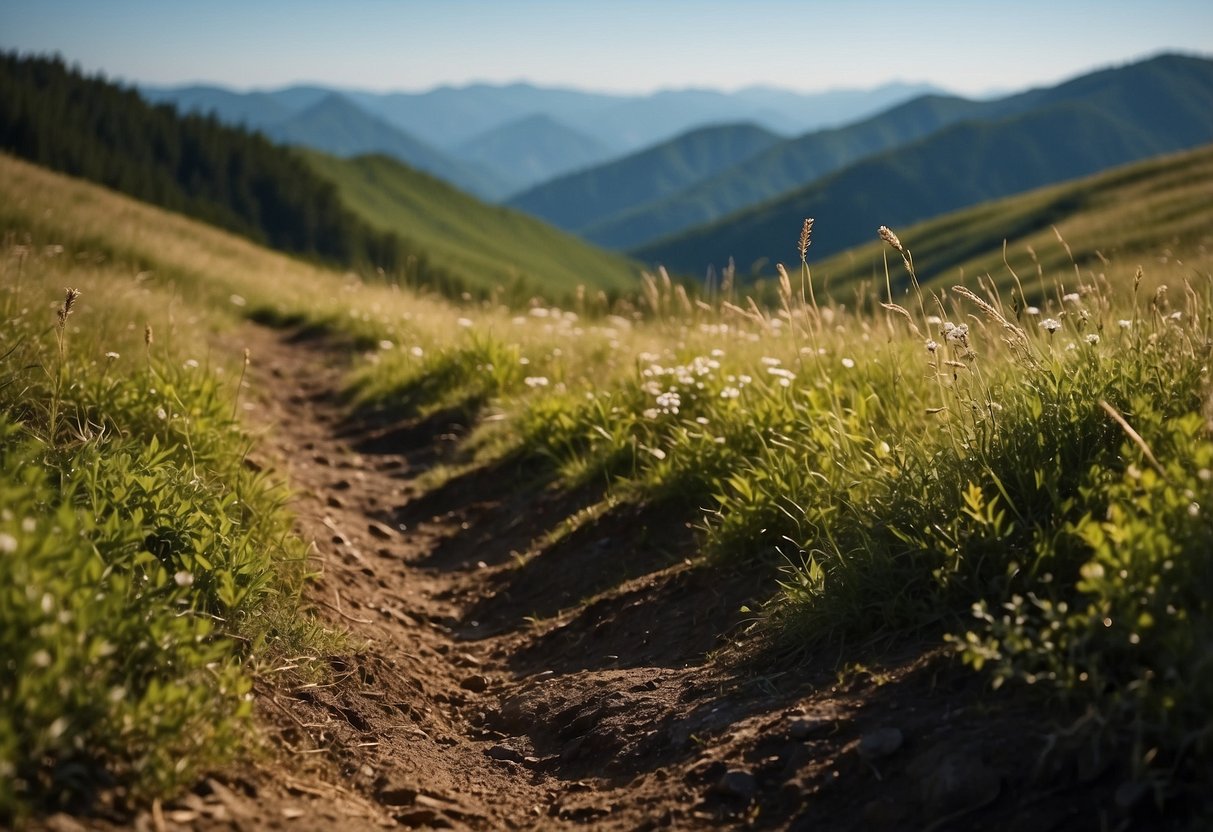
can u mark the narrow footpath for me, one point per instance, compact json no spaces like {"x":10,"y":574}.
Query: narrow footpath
{"x":519,"y":657}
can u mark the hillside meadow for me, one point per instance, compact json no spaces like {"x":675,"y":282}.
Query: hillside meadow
{"x":1027,"y":488}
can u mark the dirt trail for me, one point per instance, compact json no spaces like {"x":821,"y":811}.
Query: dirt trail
{"x":503,"y":676}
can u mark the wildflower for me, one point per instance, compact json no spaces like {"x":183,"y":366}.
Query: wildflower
{"x":183,"y":578}
{"x":191,"y":364}
{"x":237,"y":300}
{"x":416,"y":352}
{"x":780,"y":372}
{"x":464,"y":322}
{"x":8,"y":543}
{"x":932,"y":345}
{"x":934,"y":320}
{"x":29,"y":525}
{"x":1050,"y":324}
{"x":536,"y":381}
{"x":1123,"y":324}
{"x":848,"y":363}
{"x":386,"y":344}
{"x":112,"y":356}
{"x":771,"y":362}
{"x":1176,"y":316}
{"x":1033,"y":310}
{"x":651,"y":413}
{"x":730,"y":393}
{"x":956,"y":333}
{"x":160,"y":414}
{"x":1071,"y":297}
{"x":1092,"y":339}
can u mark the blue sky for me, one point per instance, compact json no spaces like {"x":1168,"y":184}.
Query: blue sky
{"x":624,"y":45}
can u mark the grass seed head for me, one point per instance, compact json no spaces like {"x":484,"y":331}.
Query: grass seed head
{"x":889,"y":237}
{"x":70,"y":296}
{"x":806,"y":237}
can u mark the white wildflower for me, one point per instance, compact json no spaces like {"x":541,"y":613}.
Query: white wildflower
{"x":183,"y":578}
{"x":730,"y":393}
{"x":464,"y":322}
{"x":237,"y":300}
{"x":112,"y":356}
{"x":1033,"y":310}
{"x":536,"y":381}
{"x":932,"y":345}
{"x":1050,"y":324}
{"x":956,"y":333}
{"x":1092,"y":338}
{"x":8,"y":543}
{"x":1123,"y":324}
{"x":848,"y":363}
{"x":1071,"y":297}
{"x":771,"y":362}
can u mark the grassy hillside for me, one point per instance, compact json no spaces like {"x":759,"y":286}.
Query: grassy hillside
{"x":959,"y":166}
{"x":1134,"y":213}
{"x":1165,"y":96}
{"x":1032,"y":500}
{"x":234,"y":179}
{"x":484,"y":245}
{"x":583,"y":198}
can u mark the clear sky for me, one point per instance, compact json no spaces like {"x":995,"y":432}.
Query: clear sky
{"x":613,"y":45}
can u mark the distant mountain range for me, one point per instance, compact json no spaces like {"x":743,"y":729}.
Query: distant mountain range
{"x":1002,"y":147}
{"x":578,"y":202}
{"x":494,"y":140}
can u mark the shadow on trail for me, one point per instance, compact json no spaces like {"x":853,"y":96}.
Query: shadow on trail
{"x":498,"y":511}
{"x":602,"y":553}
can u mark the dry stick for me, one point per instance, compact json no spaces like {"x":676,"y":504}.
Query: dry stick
{"x":1134,"y":435}
{"x":343,"y":614}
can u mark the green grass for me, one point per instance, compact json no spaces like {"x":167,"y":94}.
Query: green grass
{"x":485,"y":245}
{"x":146,"y":574}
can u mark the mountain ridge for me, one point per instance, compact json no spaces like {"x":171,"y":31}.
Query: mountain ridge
{"x":962,"y":165}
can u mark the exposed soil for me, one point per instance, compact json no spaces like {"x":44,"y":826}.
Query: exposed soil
{"x":509,"y":670}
